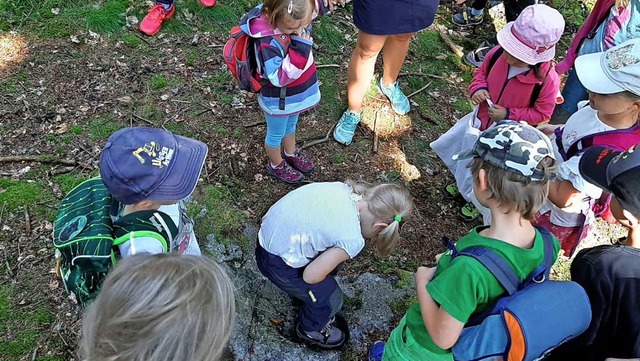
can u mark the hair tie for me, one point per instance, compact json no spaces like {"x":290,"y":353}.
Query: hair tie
{"x":398,"y":218}
{"x":290,"y":7}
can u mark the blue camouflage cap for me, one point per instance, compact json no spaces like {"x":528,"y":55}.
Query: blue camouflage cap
{"x":513,"y":146}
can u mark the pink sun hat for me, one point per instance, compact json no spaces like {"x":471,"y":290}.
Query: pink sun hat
{"x":533,"y":36}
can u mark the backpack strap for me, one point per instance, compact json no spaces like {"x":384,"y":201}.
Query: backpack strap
{"x":494,"y":58}
{"x":503,"y":271}
{"x":614,"y":139}
{"x":148,"y":223}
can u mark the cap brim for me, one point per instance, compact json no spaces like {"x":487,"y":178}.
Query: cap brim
{"x":592,"y":76}
{"x":188,"y":160}
{"x":593,"y":166}
{"x":516,"y":48}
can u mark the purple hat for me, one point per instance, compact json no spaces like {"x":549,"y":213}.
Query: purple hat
{"x":149,"y":163}
{"x":533,"y":36}
{"x":616,"y":172}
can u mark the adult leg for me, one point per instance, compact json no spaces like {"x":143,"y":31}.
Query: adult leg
{"x":394,"y":52}
{"x":361,"y":68}
{"x":513,"y":8}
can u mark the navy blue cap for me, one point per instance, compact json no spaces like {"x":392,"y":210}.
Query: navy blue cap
{"x":149,"y":163}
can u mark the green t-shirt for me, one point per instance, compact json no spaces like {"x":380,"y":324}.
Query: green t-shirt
{"x":465,"y":286}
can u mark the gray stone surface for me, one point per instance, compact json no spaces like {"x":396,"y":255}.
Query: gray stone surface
{"x":266,"y":317}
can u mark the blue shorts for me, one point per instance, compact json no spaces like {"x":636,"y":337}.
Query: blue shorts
{"x":390,"y":17}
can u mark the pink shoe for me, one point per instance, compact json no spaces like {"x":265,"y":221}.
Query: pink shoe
{"x":208,"y":3}
{"x":152,"y":22}
{"x":285,"y":173}
{"x":299,"y":161}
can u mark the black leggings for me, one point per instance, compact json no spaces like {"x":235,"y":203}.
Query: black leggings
{"x":512,"y":8}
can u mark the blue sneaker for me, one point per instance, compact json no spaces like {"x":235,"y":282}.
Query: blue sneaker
{"x":346,"y":127}
{"x":377,"y":349}
{"x":399,"y":101}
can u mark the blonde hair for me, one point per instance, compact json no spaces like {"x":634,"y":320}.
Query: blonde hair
{"x":163,"y":307}
{"x":278,"y":9}
{"x":387,"y":202}
{"x":514,"y":191}
{"x":622,"y":3}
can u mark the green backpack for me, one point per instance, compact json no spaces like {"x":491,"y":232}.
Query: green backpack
{"x":86,"y":238}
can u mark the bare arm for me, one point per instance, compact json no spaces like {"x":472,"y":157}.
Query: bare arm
{"x":563,"y":194}
{"x":442,"y":327}
{"x":326,"y":262}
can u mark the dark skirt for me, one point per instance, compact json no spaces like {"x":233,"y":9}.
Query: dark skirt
{"x":390,"y":17}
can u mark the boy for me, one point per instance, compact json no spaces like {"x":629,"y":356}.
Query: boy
{"x":160,"y":307}
{"x":152,"y":169}
{"x":512,"y":164}
{"x":611,"y":273}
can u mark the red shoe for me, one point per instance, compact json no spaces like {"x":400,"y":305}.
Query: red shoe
{"x":152,"y":23}
{"x":208,"y":3}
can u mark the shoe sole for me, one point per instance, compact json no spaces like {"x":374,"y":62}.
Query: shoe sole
{"x":270,"y":172}
{"x":309,"y":341}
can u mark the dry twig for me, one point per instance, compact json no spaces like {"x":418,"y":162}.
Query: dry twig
{"x":318,"y":141}
{"x":320,"y":66}
{"x":39,"y":159}
{"x":375,"y":133}
{"x":27,"y":222}
{"x":143,"y":119}
{"x":255,"y":124}
{"x":419,"y":90}
{"x":457,"y":49}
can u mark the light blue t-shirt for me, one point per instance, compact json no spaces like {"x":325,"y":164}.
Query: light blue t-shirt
{"x":311,"y":219}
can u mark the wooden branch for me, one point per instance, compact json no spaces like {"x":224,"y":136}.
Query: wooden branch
{"x":39,"y":159}
{"x":415,"y":73}
{"x":419,"y":90}
{"x":326,"y":138}
{"x":320,"y":66}
{"x":27,"y":222}
{"x":255,"y":124}
{"x":143,"y":119}
{"x":456,"y":49}
{"x":375,"y":133}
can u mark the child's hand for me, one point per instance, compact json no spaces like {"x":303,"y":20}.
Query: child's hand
{"x":480,"y":96}
{"x":305,"y":35}
{"x":548,"y":129}
{"x":438,"y":256}
{"x":497,"y":113}
{"x":424,"y":275}
{"x":460,"y":2}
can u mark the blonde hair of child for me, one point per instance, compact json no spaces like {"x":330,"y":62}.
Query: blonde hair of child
{"x":386,"y":202}
{"x":514,"y":191}
{"x":622,"y":3}
{"x":162,"y":307}
{"x":278,"y":9}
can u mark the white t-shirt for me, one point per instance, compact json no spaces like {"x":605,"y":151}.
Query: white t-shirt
{"x":311,"y":219}
{"x":184,"y":242}
{"x":582,"y":123}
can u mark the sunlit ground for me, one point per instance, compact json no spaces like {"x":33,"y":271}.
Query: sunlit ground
{"x":380,"y":119}
{"x":13,"y":49}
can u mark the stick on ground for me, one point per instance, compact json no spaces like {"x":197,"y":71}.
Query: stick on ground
{"x":326,"y":138}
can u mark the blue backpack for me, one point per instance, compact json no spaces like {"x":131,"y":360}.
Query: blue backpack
{"x":536,"y":315}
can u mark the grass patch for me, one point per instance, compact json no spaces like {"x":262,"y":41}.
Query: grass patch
{"x":131,"y":40}
{"x":103,"y":126}
{"x":215,"y":213}
{"x":17,"y":194}
{"x":107,"y":17}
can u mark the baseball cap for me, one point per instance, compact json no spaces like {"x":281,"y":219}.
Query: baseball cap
{"x":513,"y":146}
{"x":616,"y":172}
{"x":532,"y":37}
{"x":612,"y":71}
{"x":148,"y":163}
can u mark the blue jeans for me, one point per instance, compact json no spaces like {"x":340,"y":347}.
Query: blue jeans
{"x":278,"y":128}
{"x":320,"y":301}
{"x":573,"y":92}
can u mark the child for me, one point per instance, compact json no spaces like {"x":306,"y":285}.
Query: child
{"x":310,"y":231}
{"x":161,"y":11}
{"x":519,"y":84}
{"x":152,"y":169}
{"x":613,"y":81}
{"x":611,"y":273}
{"x":283,"y":42}
{"x":609,"y":24}
{"x":512,"y":164}
{"x":158,"y":308}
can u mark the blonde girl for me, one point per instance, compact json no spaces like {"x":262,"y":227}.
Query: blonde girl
{"x":310,"y":231}
{"x":162,"y":307}
{"x":283,"y":50}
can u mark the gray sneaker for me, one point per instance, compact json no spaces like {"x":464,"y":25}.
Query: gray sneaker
{"x":329,"y":337}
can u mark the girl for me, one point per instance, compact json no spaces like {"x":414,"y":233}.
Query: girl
{"x":283,"y":47}
{"x":162,"y":307}
{"x":310,"y":231}
{"x":516,"y":81}
{"x":609,"y":24}
{"x":612,"y":79}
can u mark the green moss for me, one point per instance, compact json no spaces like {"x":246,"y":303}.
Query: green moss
{"x":400,"y":306}
{"x":131,"y":40}
{"x":158,"y":82}
{"x":221,"y":218}
{"x":17,"y":194}
{"x":338,"y":158}
{"x":75,"y":129}
{"x":68,"y":181}
{"x":102,"y":127}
